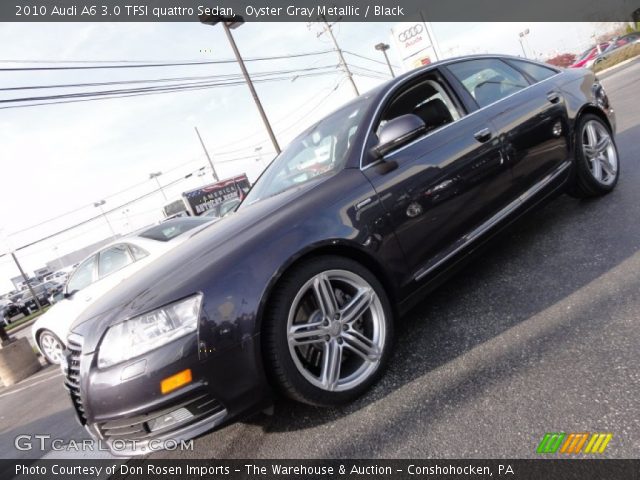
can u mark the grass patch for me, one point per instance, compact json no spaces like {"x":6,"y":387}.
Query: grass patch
{"x":625,"y":53}
{"x":17,"y":323}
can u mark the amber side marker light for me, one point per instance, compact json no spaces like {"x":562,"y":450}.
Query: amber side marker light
{"x":169,"y":384}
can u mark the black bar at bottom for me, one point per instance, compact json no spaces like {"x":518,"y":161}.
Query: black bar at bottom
{"x":139,"y":469}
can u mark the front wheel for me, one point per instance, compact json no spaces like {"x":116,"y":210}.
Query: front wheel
{"x":51,"y":347}
{"x":328,"y":331}
{"x":596,"y":159}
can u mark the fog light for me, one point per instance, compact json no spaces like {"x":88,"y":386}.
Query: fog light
{"x":169,"y":419}
{"x":169,"y":384}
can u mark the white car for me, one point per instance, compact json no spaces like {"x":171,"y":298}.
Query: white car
{"x":103,"y":270}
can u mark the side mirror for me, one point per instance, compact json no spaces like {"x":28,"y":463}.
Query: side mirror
{"x":397,"y":132}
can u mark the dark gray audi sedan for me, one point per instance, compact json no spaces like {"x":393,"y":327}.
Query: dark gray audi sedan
{"x":354,"y":222}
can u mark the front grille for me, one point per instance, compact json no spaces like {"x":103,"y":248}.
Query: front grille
{"x":72,"y":375}
{"x":138,"y":428}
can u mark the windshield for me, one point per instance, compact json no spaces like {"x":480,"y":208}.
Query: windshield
{"x":321,"y":150}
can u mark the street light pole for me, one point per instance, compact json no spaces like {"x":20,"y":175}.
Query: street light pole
{"x":522,"y":36}
{"x":238,"y":21}
{"x":104,"y":215}
{"x":206,"y":152}
{"x":155,"y":176}
{"x":383,"y":47}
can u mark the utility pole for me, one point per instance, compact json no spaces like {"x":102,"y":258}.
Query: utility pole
{"x":343,"y":63}
{"x":383,"y":47}
{"x":206,"y":152}
{"x":104,"y":215}
{"x":155,"y":176}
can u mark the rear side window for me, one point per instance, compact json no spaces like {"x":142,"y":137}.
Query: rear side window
{"x":138,"y":253}
{"x":113,"y":259}
{"x":535,"y":71}
{"x":488,"y":79}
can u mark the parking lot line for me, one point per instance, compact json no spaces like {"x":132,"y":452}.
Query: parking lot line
{"x":17,"y":390}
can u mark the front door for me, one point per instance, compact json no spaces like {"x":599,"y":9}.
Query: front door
{"x":444,"y":184}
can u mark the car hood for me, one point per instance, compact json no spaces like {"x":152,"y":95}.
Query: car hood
{"x":174,"y":272}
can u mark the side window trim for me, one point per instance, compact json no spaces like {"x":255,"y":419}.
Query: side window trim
{"x":471,"y":109}
{"x":503,"y":98}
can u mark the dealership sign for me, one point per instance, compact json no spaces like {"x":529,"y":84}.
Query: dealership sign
{"x":415,"y":43}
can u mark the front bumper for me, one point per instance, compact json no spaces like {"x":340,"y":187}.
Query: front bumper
{"x":122,"y":406}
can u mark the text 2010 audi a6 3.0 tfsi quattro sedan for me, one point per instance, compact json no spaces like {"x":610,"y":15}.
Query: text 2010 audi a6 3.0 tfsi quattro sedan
{"x":297,"y":292}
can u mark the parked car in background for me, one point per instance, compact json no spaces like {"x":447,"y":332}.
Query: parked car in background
{"x":10,"y":311}
{"x":26,"y":298}
{"x":618,"y":44}
{"x":350,"y":226}
{"x":100,"y":272}
{"x":59,"y":277}
{"x":588,"y":57}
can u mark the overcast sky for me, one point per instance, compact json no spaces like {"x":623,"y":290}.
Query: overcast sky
{"x":61,"y":158}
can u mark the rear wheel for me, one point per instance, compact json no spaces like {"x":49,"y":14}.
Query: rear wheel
{"x":51,"y":347}
{"x":328,"y":331}
{"x":596,"y":164}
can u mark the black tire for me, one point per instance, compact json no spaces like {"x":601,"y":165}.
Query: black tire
{"x":584,"y":184}
{"x":280,"y":365}
{"x":41,"y":336}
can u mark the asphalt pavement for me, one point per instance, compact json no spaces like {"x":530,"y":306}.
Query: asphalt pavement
{"x":539,"y":334}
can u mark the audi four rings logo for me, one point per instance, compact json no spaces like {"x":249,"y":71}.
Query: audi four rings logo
{"x":409,"y":33}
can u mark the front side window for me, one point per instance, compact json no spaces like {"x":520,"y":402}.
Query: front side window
{"x":488,"y":79}
{"x":113,"y":259}
{"x":321,"y":150}
{"x":83,"y":275}
{"x":428,"y":100}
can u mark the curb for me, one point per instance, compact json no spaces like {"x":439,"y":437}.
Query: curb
{"x":618,"y":65}
{"x":22,"y":326}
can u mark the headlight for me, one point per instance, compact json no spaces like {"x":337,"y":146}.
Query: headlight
{"x":149,"y":331}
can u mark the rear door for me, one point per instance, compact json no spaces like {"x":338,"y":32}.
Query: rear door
{"x":527,"y":109}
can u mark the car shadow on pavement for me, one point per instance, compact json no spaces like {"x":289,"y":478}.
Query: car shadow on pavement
{"x":542,"y":260}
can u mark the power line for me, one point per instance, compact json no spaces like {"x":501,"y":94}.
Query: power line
{"x":99,"y":216}
{"x":105,"y":95}
{"x":368,"y":58}
{"x":154,"y":65}
{"x":232,"y":76}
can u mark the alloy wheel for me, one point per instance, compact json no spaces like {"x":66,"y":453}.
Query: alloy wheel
{"x":336,"y":330}
{"x":600,"y":152}
{"x":51,"y":347}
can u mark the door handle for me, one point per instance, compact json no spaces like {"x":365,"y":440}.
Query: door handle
{"x":482,"y":135}
{"x":553,"y":97}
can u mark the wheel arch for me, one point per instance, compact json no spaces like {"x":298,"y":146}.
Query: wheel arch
{"x":595,"y":110}
{"x":339,"y":248}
